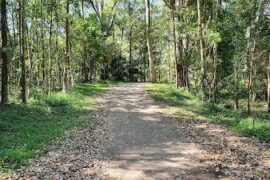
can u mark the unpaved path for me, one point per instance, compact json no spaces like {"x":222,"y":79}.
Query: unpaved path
{"x":134,"y":139}
{"x":145,"y":142}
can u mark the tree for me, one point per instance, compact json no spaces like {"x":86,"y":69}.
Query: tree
{"x":153,"y":77}
{"x":251,"y":47}
{"x":130,"y":41}
{"x":106,"y":20}
{"x":4,"y":54}
{"x":181,"y":42}
{"x":268,"y":83}
{"x":215,"y":49}
{"x":203,"y":75}
{"x":66,"y":82}
{"x":22,"y":51}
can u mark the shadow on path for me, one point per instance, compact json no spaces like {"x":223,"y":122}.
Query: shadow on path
{"x":145,"y":142}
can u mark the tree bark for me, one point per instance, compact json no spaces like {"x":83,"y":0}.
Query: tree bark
{"x":169,"y":62}
{"x":49,"y":50}
{"x":4,"y":54}
{"x":22,"y":52}
{"x":215,"y":60}
{"x":250,"y":82}
{"x":130,"y":55}
{"x":57,"y":59}
{"x":251,"y":47}
{"x":236,"y":87}
{"x":175,"y":47}
{"x":153,"y":78}
{"x":268,"y":84}
{"x":67,"y":58}
{"x":180,"y":47}
{"x":130,"y":42}
{"x":43,"y":64}
{"x":203,"y":74}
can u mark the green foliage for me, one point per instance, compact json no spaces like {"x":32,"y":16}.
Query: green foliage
{"x":26,"y":131}
{"x":266,"y":154}
{"x":190,"y":108}
{"x":261,"y":174}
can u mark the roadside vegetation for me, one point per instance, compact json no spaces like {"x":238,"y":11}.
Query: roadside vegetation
{"x":190,"y":108}
{"x":27,"y":131}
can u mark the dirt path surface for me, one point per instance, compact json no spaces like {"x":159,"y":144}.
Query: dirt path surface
{"x":133,"y":139}
{"x":145,"y":142}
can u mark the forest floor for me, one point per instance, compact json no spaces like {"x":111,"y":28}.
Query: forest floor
{"x":137,"y":138}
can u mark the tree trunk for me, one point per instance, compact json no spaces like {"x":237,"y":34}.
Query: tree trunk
{"x":130,"y":43}
{"x":215,"y":79}
{"x":250,"y":82}
{"x":130,"y":55}
{"x":176,"y":49}
{"x":67,"y":58}
{"x":49,"y":50}
{"x":251,"y":47}
{"x":57,"y":59}
{"x":203,"y":75}
{"x":82,"y":8}
{"x":215,"y":59}
{"x":43,"y":64}
{"x":153,"y":78}
{"x":169,"y":61}
{"x":37,"y":49}
{"x":4,"y":54}
{"x":13,"y":9}
{"x":144,"y":64}
{"x":236,"y":87}
{"x":268,"y":84}
{"x":185,"y":48}
{"x":179,"y":49}
{"x":175,"y":46}
{"x":22,"y":52}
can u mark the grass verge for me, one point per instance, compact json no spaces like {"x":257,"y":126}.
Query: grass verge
{"x":189,"y":108}
{"x":27,"y":131}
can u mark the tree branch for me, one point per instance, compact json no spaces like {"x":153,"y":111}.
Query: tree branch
{"x":96,"y":10}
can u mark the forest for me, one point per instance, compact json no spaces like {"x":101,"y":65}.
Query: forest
{"x":218,"y":50}
{"x":55,"y":52}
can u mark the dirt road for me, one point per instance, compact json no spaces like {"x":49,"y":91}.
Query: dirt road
{"x":134,"y":139}
{"x":145,"y":142}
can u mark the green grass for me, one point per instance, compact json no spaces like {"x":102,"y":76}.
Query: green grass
{"x":190,"y":108}
{"x":27,"y":131}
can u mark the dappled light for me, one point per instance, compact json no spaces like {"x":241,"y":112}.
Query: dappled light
{"x":145,"y":142}
{"x":134,"y":89}
{"x":235,"y":154}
